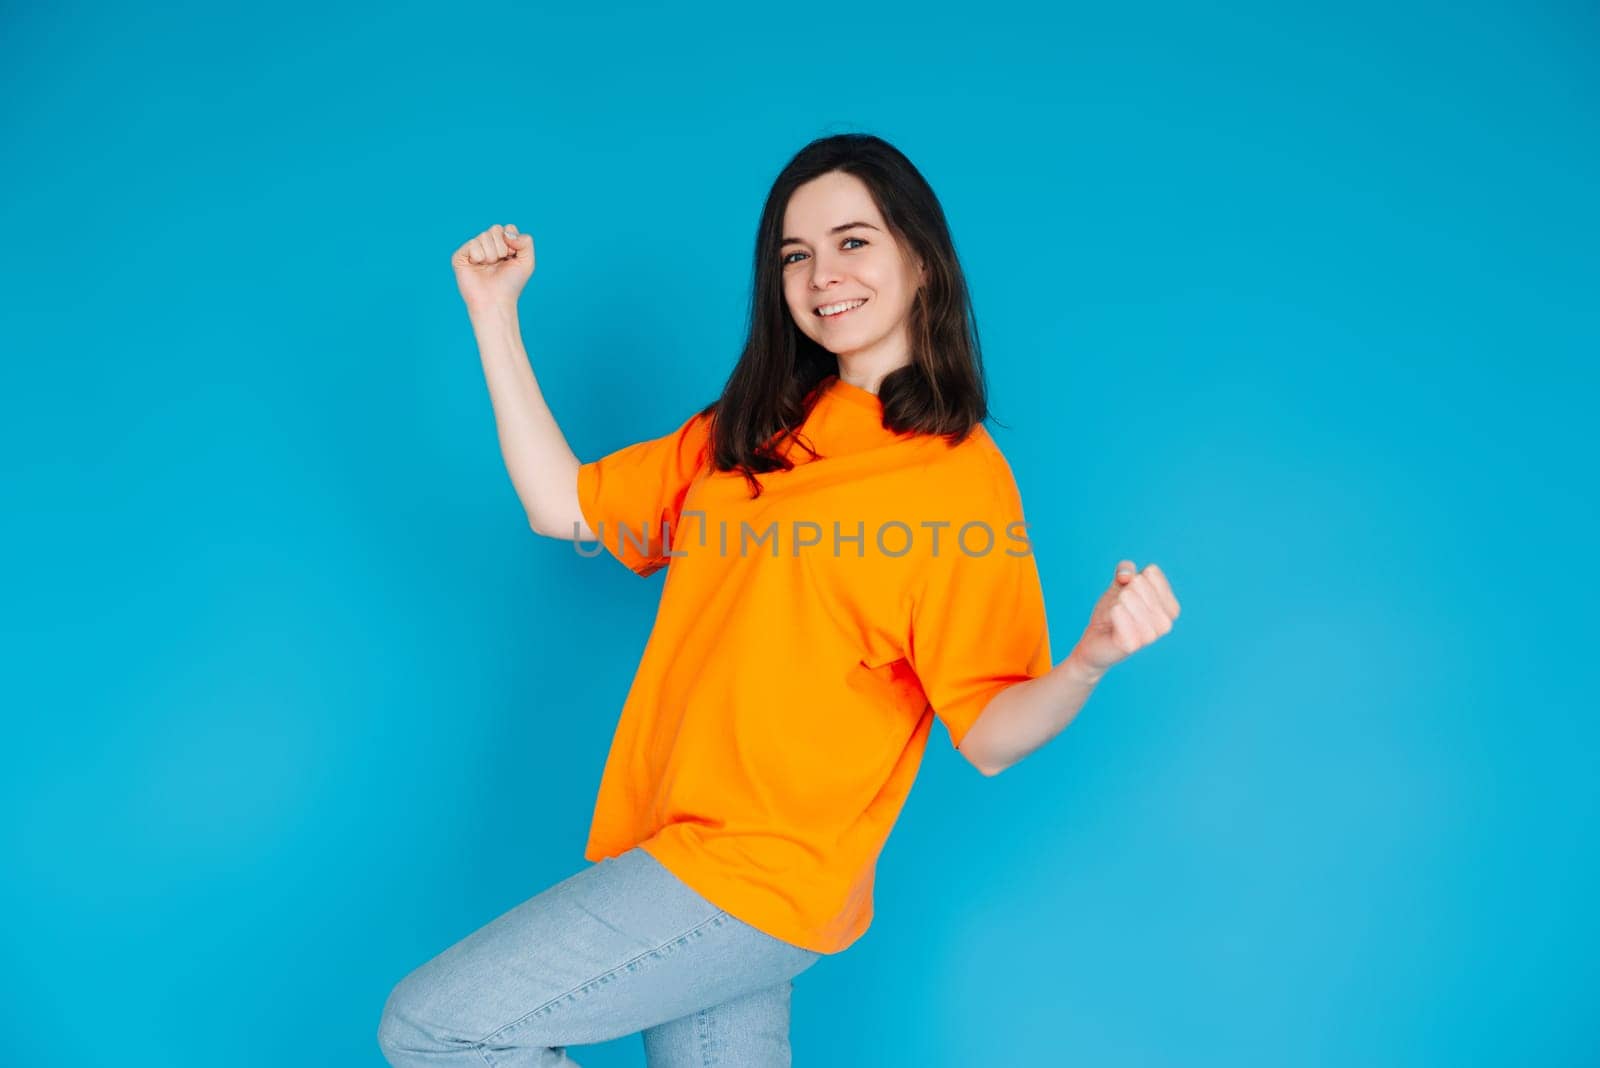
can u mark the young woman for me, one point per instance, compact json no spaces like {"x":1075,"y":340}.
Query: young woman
{"x":846,"y":561}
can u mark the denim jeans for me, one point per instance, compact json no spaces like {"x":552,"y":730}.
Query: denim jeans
{"x":623,"y":946}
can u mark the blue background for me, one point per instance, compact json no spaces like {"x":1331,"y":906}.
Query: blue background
{"x":1299,"y":304}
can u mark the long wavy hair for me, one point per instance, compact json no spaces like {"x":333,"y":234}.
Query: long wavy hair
{"x":769,"y":393}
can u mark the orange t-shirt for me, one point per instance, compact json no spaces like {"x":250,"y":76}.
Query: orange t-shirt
{"x":803,"y":643}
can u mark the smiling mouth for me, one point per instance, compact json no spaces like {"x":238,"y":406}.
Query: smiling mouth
{"x":841,"y":314}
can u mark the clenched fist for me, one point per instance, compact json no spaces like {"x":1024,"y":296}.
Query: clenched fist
{"x":1138,"y":608}
{"x":493,"y":267}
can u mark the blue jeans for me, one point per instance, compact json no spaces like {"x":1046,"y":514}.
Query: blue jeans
{"x":623,"y":946}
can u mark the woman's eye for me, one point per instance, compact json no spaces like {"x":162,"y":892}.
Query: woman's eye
{"x":790,"y":258}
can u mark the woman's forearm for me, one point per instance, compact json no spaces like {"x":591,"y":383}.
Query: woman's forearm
{"x":542,"y":466}
{"x":1023,"y":717}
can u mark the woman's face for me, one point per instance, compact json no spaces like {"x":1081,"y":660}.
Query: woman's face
{"x":836,"y":249}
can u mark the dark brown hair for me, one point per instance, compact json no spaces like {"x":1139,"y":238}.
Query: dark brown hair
{"x":941,"y":391}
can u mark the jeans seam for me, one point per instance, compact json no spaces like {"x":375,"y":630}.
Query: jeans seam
{"x":715,"y":918}
{"x":702,"y":1022}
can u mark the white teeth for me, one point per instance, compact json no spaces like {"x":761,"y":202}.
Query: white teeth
{"x":831,"y":309}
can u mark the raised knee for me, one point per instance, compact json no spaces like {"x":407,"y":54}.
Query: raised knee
{"x":396,"y":1031}
{"x":408,"y":1026}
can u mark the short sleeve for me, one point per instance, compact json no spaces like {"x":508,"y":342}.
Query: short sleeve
{"x":978,"y":617}
{"x":626,"y":496}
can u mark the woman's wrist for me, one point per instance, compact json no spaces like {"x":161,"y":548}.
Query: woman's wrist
{"x":1080,"y":671}
{"x":492,"y":310}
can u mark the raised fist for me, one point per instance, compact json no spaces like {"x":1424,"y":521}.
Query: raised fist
{"x":493,"y":267}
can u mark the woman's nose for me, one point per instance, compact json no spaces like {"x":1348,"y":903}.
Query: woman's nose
{"x":822,"y":272}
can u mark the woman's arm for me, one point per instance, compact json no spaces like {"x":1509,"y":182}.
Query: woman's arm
{"x":491,"y":270}
{"x":1024,"y":716}
{"x":543,"y":467}
{"x":1135,"y":610}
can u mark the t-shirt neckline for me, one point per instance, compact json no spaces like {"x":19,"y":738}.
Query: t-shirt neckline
{"x":838,"y":387}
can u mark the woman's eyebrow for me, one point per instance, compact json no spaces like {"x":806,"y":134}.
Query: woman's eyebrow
{"x":837,"y":229}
